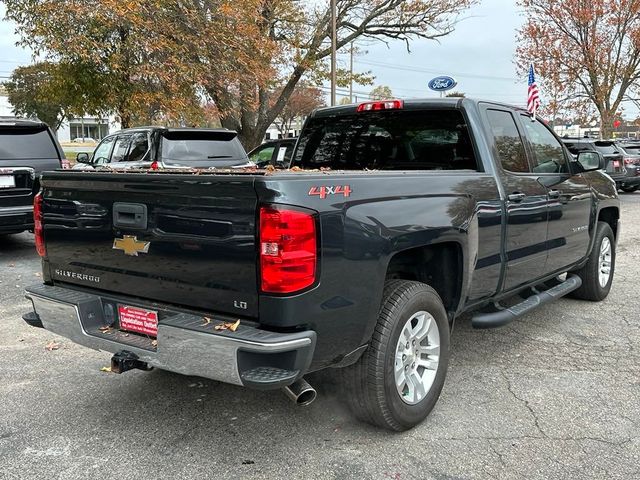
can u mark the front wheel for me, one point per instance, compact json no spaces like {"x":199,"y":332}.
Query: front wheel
{"x":597,"y":274}
{"x":398,"y":379}
{"x":629,"y":188}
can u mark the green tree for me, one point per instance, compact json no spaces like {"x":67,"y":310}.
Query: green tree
{"x":381,"y":92}
{"x":41,"y":90}
{"x":123,"y":71}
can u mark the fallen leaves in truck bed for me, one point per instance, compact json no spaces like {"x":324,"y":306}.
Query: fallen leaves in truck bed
{"x":207,"y":321}
{"x":228,"y":326}
{"x":106,"y":329}
{"x":51,"y":346}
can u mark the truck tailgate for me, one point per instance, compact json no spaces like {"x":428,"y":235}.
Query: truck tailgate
{"x":181,"y":239}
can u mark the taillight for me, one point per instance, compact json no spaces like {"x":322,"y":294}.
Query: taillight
{"x":288,"y":250}
{"x":630,"y":161}
{"x":37,"y":224}
{"x":381,"y":105}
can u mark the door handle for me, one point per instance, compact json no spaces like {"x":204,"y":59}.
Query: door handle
{"x":554,"y":193}
{"x":516,"y":197}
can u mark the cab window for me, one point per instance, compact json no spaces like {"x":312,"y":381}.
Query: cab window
{"x":121,"y":148}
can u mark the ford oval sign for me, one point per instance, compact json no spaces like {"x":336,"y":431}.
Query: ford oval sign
{"x":442,"y":84}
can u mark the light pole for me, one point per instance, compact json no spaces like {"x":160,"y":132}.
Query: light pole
{"x":334,"y":41}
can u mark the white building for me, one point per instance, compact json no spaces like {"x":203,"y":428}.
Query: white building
{"x":87,"y":127}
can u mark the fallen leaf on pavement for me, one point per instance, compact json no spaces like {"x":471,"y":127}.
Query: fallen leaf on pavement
{"x":52,"y":346}
{"x":105,"y":369}
{"x":154,"y":343}
{"x":38,"y":274}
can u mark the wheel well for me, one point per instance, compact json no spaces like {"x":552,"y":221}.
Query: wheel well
{"x":610,"y":215}
{"x":439,"y":266}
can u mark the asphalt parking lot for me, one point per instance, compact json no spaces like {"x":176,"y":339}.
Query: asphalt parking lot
{"x":553,"y":395}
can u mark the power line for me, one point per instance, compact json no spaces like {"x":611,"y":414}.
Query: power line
{"x":409,"y":68}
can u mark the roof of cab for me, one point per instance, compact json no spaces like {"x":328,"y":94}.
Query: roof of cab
{"x":413,"y":104}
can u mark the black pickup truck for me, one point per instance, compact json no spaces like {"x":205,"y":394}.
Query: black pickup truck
{"x":393,"y":220}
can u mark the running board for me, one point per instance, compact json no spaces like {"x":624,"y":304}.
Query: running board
{"x":502,"y":317}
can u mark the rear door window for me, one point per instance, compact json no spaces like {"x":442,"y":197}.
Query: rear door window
{"x":508,"y":142}
{"x":139,"y":150}
{"x":22,"y":143}
{"x":121,"y":148}
{"x":391,"y":140}
{"x":216,"y":147}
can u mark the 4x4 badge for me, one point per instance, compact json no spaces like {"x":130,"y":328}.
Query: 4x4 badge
{"x":130,"y":245}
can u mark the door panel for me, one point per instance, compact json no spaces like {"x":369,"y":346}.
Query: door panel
{"x":526,"y":203}
{"x":569,"y":197}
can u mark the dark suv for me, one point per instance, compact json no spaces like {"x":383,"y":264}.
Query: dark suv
{"x":167,"y":148}
{"x":27,"y":148}
{"x":613,"y":156}
{"x":631,"y":152}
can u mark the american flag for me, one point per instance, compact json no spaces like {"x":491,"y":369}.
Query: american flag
{"x":533,"y":100}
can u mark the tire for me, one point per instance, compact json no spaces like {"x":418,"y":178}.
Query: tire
{"x":370,"y":384}
{"x":629,"y":188}
{"x":592,"y":288}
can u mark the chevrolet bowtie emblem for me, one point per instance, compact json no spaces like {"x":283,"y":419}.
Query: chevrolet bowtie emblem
{"x":130,"y":245}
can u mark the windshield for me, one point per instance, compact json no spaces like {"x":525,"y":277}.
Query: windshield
{"x":606,"y":148}
{"x":26,"y":143}
{"x":576,"y":147}
{"x":632,"y":149}
{"x":392,"y":140}
{"x":202,"y":146}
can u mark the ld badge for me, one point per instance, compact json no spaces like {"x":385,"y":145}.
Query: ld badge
{"x":130,"y":245}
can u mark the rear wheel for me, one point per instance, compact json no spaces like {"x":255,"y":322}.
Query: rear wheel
{"x":398,"y":379}
{"x":597,"y":274}
{"x":630,"y":188}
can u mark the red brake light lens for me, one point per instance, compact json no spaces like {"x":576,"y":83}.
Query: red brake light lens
{"x":381,"y":105}
{"x":630,"y":161}
{"x":288,"y":250}
{"x":37,"y":225}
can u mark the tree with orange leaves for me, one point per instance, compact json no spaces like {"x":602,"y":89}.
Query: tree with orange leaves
{"x":583,"y":51}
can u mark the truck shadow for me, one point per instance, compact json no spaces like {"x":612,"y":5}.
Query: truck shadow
{"x":22,"y":242}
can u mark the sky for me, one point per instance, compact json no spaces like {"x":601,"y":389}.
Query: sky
{"x":479,"y":54}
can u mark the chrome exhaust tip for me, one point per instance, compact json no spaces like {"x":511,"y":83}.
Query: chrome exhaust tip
{"x":301,"y":393}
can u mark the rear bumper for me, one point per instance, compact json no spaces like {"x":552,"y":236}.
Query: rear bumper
{"x":16,"y":218}
{"x":630,"y":180}
{"x":186,"y":343}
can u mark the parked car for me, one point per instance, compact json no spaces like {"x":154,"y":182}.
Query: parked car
{"x":27,"y":148}
{"x":84,"y":140}
{"x":166,"y":148}
{"x":614,"y":160}
{"x":395,"y":219}
{"x":273,"y":152}
{"x":631,"y":151}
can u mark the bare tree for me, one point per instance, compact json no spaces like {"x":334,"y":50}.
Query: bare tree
{"x":583,"y":51}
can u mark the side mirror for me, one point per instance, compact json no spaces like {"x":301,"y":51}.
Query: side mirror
{"x":82,"y":157}
{"x":590,"y":161}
